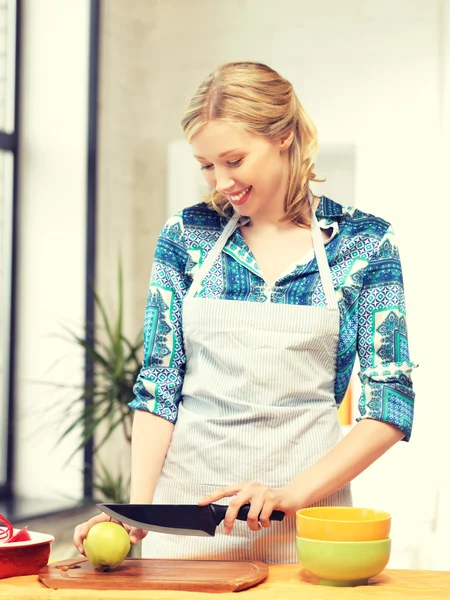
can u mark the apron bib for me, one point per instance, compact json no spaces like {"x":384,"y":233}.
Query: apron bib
{"x":257,"y":405}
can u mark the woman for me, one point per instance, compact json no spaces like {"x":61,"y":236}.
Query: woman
{"x":259,"y":301}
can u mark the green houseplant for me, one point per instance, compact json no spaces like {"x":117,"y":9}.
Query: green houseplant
{"x":101,"y":403}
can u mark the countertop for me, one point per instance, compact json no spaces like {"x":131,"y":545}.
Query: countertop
{"x":284,"y":582}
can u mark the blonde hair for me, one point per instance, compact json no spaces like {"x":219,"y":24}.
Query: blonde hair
{"x":264,"y":103}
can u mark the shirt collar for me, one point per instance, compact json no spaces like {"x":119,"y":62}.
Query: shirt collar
{"x":328,"y":209}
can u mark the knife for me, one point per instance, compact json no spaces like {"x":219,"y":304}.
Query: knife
{"x":180,"y":519}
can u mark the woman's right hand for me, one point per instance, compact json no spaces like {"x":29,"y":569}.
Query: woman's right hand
{"x":81,"y":531}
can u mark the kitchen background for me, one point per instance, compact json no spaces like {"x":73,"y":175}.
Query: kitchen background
{"x":374,"y":75}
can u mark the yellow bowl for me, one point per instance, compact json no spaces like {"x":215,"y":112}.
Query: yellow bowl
{"x":343,"y":524}
{"x":343,"y":563}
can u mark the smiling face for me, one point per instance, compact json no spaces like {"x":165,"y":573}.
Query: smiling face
{"x":249,"y":170}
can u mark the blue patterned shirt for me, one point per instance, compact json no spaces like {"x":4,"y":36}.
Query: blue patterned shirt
{"x":367,"y":277}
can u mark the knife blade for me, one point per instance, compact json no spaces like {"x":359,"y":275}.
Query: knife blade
{"x":178,"y":519}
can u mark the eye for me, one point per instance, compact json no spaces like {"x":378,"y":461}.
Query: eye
{"x":206,"y":167}
{"x":235,"y":163}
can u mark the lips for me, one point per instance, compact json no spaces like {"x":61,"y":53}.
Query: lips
{"x":241,"y":197}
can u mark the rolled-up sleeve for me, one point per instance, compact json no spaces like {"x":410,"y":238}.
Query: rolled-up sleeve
{"x":158,"y":385}
{"x":385,"y":367}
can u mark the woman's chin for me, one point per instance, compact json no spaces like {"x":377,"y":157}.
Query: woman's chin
{"x":243,"y":209}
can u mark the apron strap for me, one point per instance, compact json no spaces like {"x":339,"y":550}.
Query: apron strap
{"x":322,"y":261}
{"x":319,"y":249}
{"x":212,"y":255}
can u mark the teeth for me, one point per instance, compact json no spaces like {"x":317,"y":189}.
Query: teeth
{"x":241,"y":195}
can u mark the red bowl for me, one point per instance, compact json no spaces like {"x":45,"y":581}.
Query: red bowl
{"x":25,"y":558}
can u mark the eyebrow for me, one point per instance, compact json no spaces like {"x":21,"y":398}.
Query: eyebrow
{"x":222,"y":154}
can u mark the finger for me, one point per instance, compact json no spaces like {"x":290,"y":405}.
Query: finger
{"x":253,"y":518}
{"x":136,"y":535}
{"x":267,"y":510}
{"x":77,"y":540}
{"x":80,"y":534}
{"x":233,"y":509}
{"x":98,"y":519}
{"x":229,"y":490}
{"x":271,"y":501}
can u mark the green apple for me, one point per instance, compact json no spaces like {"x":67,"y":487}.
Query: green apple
{"x":106,"y":545}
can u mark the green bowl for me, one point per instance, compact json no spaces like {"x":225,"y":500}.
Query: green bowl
{"x":343,"y":563}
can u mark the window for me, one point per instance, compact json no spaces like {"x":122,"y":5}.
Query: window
{"x":9,"y":19}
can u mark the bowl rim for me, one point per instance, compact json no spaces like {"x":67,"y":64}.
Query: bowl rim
{"x":345,"y":542}
{"x":383,"y":516}
{"x":37,"y":538}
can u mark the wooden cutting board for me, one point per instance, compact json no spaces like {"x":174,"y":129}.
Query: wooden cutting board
{"x":154,"y":574}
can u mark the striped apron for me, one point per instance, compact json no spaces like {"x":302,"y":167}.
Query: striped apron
{"x":257,"y":405}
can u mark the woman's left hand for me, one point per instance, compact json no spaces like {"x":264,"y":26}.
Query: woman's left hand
{"x":262,"y":499}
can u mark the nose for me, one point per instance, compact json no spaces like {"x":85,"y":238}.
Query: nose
{"x":223,"y":181}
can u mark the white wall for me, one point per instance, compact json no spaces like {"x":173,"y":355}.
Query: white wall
{"x":441,"y":530}
{"x":51,"y":252}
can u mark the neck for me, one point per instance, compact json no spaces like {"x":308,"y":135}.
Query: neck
{"x":271,"y":221}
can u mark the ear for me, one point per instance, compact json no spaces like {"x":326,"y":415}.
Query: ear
{"x":286,"y":140}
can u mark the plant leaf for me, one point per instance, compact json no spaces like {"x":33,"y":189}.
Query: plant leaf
{"x":102,"y":309}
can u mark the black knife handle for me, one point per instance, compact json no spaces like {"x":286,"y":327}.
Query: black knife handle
{"x":277,"y":515}
{"x":220,"y":510}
